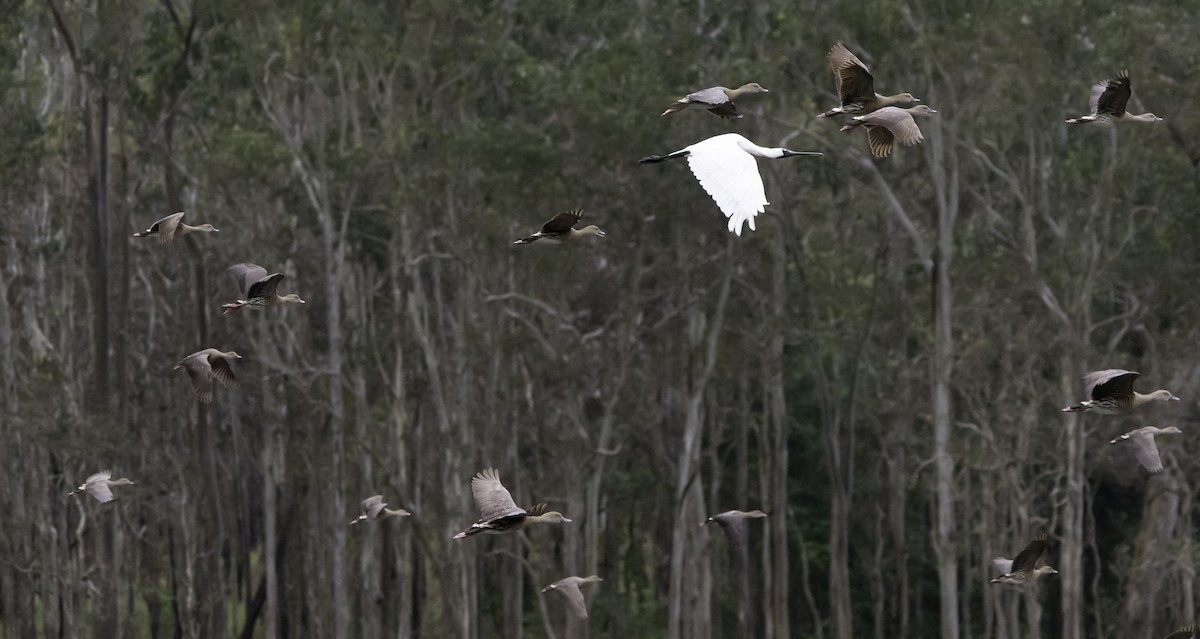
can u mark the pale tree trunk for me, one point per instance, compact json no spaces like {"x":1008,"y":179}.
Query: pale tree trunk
{"x":1186,"y":562}
{"x":936,"y":261}
{"x":16,"y":587}
{"x":459,"y":568}
{"x":595,"y":525}
{"x":747,"y":618}
{"x":95,"y":135}
{"x":839,"y":467}
{"x":405,"y":567}
{"x":688,"y":495}
{"x":1073,"y":506}
{"x":19,"y":615}
{"x":839,"y":420}
{"x":1093,"y":240}
{"x":896,"y":443}
{"x":780,"y":599}
{"x":878,"y":582}
{"x":1071,"y":548}
{"x":317,"y":111}
{"x":927,"y":258}
{"x":273,"y":471}
{"x":334,"y":249}
{"x":1141,"y":611}
{"x":945,"y":179}
{"x":370,"y":602}
{"x":7,"y":371}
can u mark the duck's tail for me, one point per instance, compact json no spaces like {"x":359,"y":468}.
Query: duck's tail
{"x":850,"y":125}
{"x":675,"y":108}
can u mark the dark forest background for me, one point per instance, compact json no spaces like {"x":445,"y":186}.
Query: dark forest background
{"x":880,"y":366}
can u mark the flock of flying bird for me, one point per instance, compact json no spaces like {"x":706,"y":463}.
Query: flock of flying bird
{"x":1109,"y":392}
{"x":725,"y":167}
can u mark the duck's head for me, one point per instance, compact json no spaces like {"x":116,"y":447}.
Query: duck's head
{"x":1163,"y":396}
{"x":553,"y":517}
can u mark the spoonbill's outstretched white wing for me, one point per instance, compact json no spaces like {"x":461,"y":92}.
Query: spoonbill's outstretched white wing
{"x":731,"y":178}
{"x":726,"y":168}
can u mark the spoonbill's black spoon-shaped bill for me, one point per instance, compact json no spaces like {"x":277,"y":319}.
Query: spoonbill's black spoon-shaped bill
{"x":726,"y":168}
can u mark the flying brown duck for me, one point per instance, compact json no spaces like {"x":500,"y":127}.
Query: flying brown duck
{"x":1144,"y":447}
{"x":203,"y":366}
{"x":888,"y":125}
{"x":856,"y":87}
{"x":718,"y":100}
{"x":1108,"y":101}
{"x":1021,"y":569}
{"x":499,"y":513}
{"x":733,"y":523}
{"x":258,"y":288}
{"x":561,"y":228}
{"x":100,"y":486}
{"x":1111,"y":392}
{"x":374,"y":508}
{"x":172,"y":226}
{"x":569,"y":588}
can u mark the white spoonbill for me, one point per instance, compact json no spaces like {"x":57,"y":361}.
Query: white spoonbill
{"x":726,"y":168}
